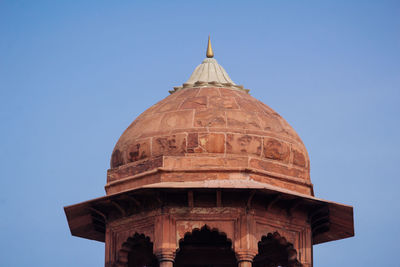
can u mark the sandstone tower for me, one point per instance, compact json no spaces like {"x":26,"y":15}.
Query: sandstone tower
{"x":209,"y":176}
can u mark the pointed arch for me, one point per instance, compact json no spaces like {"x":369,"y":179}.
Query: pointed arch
{"x":205,"y":247}
{"x":274,"y":251}
{"x":137,"y":251}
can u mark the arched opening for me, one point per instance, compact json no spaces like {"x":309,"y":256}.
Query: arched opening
{"x":275,"y":251}
{"x":137,"y":251}
{"x":205,"y":248}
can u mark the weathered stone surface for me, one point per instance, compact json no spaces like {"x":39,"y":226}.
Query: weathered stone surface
{"x":134,"y":168}
{"x":212,"y":142}
{"x":229,"y":92}
{"x":177,"y":119}
{"x":192,"y":142}
{"x":248,"y":105}
{"x":144,"y":125}
{"x":207,"y":162}
{"x":208,"y":92}
{"x":270,"y":122}
{"x":186,"y":93}
{"x":169,"y":106}
{"x":199,"y":102}
{"x":209,"y":118}
{"x":223,"y":103}
{"x":243,"y":144}
{"x":173,"y":162}
{"x":304,"y":189}
{"x":298,"y":157}
{"x":169,"y":145}
{"x":275,"y":149}
{"x":277,"y":168}
{"x":139,"y":150}
{"x":242,"y":120}
{"x":116,"y":158}
{"x":218,"y":161}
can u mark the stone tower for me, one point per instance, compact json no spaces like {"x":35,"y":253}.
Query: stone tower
{"x":209,"y":176}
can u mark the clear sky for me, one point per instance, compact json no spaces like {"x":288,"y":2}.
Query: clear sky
{"x":74,"y":74}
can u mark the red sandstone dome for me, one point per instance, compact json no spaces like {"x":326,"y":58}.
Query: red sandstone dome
{"x":209,"y":130}
{"x":209,"y":155}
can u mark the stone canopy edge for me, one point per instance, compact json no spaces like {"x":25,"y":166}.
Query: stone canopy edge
{"x":330,"y":220}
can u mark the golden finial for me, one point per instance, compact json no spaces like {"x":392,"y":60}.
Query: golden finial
{"x":209,"y":53}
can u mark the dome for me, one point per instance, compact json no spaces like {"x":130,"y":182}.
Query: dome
{"x":209,"y":129}
{"x":209,"y":154}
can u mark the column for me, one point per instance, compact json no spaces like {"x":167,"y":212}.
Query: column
{"x":165,"y":240}
{"x":166,"y":257}
{"x":245,"y":257}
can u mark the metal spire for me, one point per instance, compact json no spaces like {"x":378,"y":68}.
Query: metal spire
{"x":210,"y":52}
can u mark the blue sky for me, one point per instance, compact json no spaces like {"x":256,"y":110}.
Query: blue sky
{"x":74,"y":74}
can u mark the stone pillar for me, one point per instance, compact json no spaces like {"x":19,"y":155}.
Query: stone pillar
{"x":165,"y":240}
{"x":245,"y":257}
{"x":166,"y":257}
{"x":246,"y":247}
